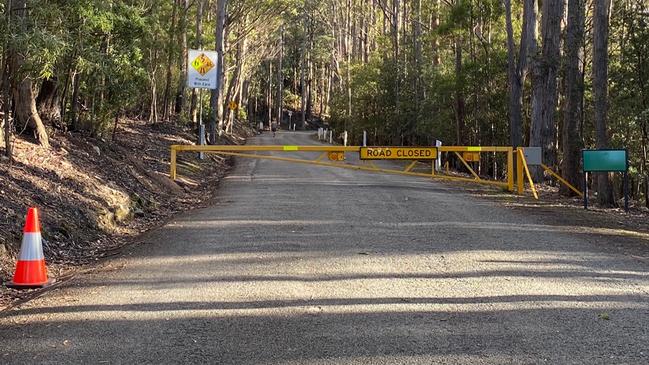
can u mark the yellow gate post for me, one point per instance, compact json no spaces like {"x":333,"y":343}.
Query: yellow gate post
{"x":172,"y":164}
{"x":510,"y":169}
{"x":520,"y":179}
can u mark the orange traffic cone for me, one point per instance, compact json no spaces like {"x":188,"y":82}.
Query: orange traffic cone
{"x":30,"y":269}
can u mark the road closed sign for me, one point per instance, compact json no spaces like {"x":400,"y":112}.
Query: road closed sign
{"x":202,"y":70}
{"x":398,"y":153}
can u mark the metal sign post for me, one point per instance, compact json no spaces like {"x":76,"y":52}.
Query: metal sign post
{"x":606,"y":160}
{"x":201,"y":126}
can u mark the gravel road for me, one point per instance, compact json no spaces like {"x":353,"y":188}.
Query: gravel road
{"x":300,"y":264}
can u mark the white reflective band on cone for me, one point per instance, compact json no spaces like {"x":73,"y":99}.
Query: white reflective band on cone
{"x":31,"y":248}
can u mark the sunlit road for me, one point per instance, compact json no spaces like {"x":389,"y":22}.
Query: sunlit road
{"x":300,"y":264}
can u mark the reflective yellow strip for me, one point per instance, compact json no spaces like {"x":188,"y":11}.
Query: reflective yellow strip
{"x":474,"y":149}
{"x":290,"y":148}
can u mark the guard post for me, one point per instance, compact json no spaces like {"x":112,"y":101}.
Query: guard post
{"x":606,"y":160}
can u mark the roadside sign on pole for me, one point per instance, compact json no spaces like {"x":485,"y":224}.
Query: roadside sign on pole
{"x":606,"y":160}
{"x":398,"y":153}
{"x":202,"y":70}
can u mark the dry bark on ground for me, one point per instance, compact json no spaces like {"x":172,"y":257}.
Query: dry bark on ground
{"x":95,"y":194}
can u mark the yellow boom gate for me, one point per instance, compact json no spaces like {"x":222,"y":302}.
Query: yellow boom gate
{"x":336,"y":158}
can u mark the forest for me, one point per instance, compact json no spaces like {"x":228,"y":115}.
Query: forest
{"x":563,"y":75}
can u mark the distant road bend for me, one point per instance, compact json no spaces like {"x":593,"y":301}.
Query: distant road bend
{"x":300,"y":264}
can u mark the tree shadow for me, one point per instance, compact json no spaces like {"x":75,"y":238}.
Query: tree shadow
{"x":352,"y":335}
{"x":189,"y":306}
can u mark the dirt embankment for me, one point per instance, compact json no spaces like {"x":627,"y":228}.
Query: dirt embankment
{"x":95,"y":194}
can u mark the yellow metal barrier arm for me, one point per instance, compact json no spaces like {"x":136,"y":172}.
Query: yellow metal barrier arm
{"x":322,"y":155}
{"x":520,"y":179}
{"x":410,"y":166}
{"x":236,"y":150}
{"x":562,"y":180}
{"x":250,"y":148}
{"x":467,"y":166}
{"x":521,"y":155}
{"x":358,"y":167}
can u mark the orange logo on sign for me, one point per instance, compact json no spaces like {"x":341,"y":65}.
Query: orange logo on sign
{"x":203,"y":64}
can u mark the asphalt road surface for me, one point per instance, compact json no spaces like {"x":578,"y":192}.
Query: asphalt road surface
{"x":300,"y":264}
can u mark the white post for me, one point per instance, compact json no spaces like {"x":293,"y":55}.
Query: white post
{"x":345,"y":139}
{"x":331,"y":136}
{"x":201,"y":128}
{"x":364,"y":138}
{"x":438,"y":162}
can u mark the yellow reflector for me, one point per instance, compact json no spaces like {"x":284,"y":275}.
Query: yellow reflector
{"x":290,"y":148}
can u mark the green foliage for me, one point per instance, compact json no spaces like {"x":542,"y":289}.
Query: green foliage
{"x":629,"y":85}
{"x":410,"y":92}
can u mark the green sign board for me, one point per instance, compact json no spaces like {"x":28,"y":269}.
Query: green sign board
{"x":605,"y":160}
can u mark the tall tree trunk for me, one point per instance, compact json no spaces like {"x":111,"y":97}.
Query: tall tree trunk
{"x":417,"y":20}
{"x":459,"y":94}
{"x":574,"y":93}
{"x":170,"y":64}
{"x":48,"y":101}
{"x":153,"y":106}
{"x":545,"y":88}
{"x":235,"y":83}
{"x":216,"y":99}
{"x":601,"y":16}
{"x":26,"y":112}
{"x":303,"y":86}
{"x":269,"y":99}
{"x":321,"y":89}
{"x":193,"y":109}
{"x":435,"y":24}
{"x":5,"y":127}
{"x":517,"y":69}
{"x":396,"y":8}
{"x":153,"y":79}
{"x":23,"y":92}
{"x":76,"y":86}
{"x":280,"y":79}
{"x":515,"y":83}
{"x":180,"y":92}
